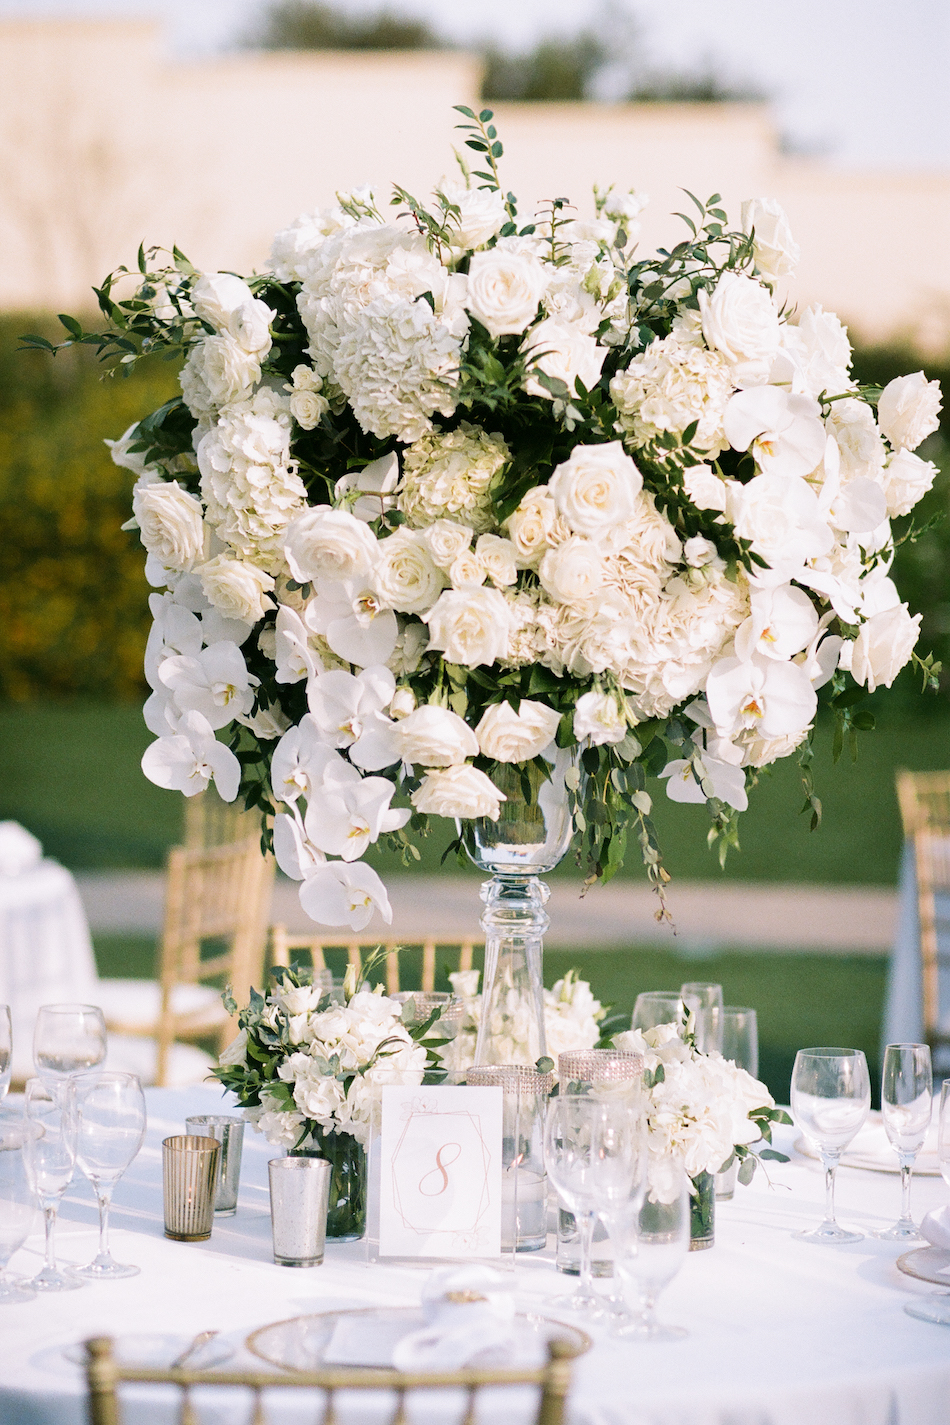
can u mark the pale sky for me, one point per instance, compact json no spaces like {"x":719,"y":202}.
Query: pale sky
{"x":863,"y":81}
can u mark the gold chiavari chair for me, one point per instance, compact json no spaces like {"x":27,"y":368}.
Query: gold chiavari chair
{"x":104,"y":1375}
{"x":924,"y":799}
{"x":284,"y":944}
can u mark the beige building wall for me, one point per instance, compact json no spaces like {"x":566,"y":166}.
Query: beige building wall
{"x":104,"y":143}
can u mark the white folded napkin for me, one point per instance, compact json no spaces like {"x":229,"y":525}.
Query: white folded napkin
{"x":469,"y":1316}
{"x":19,"y":850}
{"x":936,"y":1228}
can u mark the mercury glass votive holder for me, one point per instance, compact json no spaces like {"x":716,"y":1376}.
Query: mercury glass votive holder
{"x":229,"y":1131}
{"x":189,"y":1179}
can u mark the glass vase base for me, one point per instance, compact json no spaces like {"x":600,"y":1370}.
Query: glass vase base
{"x":829,"y":1234}
{"x":900,"y":1232}
{"x":638,"y":1330}
{"x":701,"y":1244}
{"x":935,"y":1308}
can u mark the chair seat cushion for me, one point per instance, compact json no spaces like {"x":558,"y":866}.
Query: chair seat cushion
{"x":134,"y":1005}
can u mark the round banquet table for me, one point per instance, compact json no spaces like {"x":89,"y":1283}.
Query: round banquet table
{"x":780,"y":1332}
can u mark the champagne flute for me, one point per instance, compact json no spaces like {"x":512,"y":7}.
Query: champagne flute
{"x":705,"y":1002}
{"x":906,"y":1099}
{"x":110,"y":1128}
{"x":50,"y":1163}
{"x":653,"y":1253}
{"x":69,"y":1042}
{"x":572,"y":1135}
{"x":17,"y":1209}
{"x":655,"y":1007}
{"x":6,"y":1051}
{"x":831,"y":1099}
{"x":936,"y":1306}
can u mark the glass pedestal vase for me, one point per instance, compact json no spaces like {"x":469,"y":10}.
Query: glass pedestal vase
{"x":529,"y":838}
{"x":346,"y":1215}
{"x":702,"y":1212}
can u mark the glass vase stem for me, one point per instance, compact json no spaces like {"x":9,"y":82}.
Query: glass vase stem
{"x":511,"y":1027}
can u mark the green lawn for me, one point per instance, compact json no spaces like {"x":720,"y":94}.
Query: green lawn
{"x":71,"y":774}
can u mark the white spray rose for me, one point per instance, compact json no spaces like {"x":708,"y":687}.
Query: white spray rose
{"x":498,"y":558}
{"x":600,"y":717}
{"x":462,"y":791}
{"x":908,"y":409}
{"x":595,"y":489}
{"x":406,"y":577}
{"x":883,"y":646}
{"x":535,"y":526}
{"x":573,"y":572}
{"x":775,"y":250}
{"x":564,"y":352}
{"x":308,"y":405}
{"x":906,"y":480}
{"x":739,"y":319}
{"x":218,"y":373}
{"x":446,"y":540}
{"x":216,"y":295}
{"x":323,"y":543}
{"x":469,"y":627}
{"x":509,"y":736}
{"x":435,"y":737}
{"x":504,"y":289}
{"x":467,"y":571}
{"x":236,"y":589}
{"x":481,"y":214}
{"x":171,"y":523}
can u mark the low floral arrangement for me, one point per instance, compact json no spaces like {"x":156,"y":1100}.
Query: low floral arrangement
{"x":573,"y":1019}
{"x":452,"y":484}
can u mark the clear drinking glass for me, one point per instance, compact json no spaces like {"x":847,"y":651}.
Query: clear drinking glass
{"x":69,"y":1042}
{"x":651,"y":1255}
{"x":17,"y":1208}
{"x":655,"y":1007}
{"x":574,"y":1137}
{"x":6,"y":1051}
{"x":110,"y":1127}
{"x":906,"y":1101}
{"x":831,"y":1099}
{"x":705,"y":1002}
{"x":740,"y":1038}
{"x":936,"y":1306}
{"x":50,"y":1162}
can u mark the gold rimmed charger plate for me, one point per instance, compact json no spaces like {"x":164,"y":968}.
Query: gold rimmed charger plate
{"x":298,"y":1344}
{"x":925,"y":1263}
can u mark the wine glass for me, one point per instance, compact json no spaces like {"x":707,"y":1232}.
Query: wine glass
{"x":6,"y":1051}
{"x":651,"y":1255}
{"x":936,"y":1306}
{"x":618,"y":1179}
{"x":69,"y":1042}
{"x":50,"y":1162}
{"x":705,"y":1002}
{"x":655,"y":1007}
{"x":831,"y":1099}
{"x":110,"y":1127}
{"x":906,"y":1099}
{"x":17,"y":1209}
{"x":573,"y":1137}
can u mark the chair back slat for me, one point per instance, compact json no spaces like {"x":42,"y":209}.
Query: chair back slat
{"x":284,"y":944}
{"x":924,"y":799}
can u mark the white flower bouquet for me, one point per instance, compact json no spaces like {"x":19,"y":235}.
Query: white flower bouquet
{"x":451,"y":485}
{"x":573,"y":1019}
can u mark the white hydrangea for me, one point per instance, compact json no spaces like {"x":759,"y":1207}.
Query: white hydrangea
{"x":446,"y":476}
{"x":294,"y":245}
{"x":668,"y":387}
{"x":249,"y":483}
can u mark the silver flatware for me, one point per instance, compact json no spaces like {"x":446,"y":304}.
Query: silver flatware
{"x":202,"y":1339}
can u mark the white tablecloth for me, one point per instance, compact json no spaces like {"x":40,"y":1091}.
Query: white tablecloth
{"x":781,"y":1332}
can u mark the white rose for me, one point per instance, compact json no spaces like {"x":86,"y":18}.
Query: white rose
{"x":565,"y":353}
{"x":467,"y":571}
{"x":573,"y":572}
{"x":218,"y":373}
{"x":883,"y":646}
{"x":323,"y":543}
{"x":509,"y":736}
{"x":469,"y":627}
{"x":435,"y":737}
{"x":249,"y":324}
{"x":860,"y":446}
{"x":775,"y":251}
{"x":446,"y":540}
{"x":780,"y":514}
{"x":600,"y":717}
{"x":596,"y":488}
{"x":216,"y":295}
{"x":308,"y":408}
{"x":908,"y":409}
{"x":121,"y":455}
{"x":462,"y":791}
{"x":406,"y":578}
{"x":236,"y":589}
{"x":739,"y":319}
{"x":906,"y":480}
{"x":499,"y":559}
{"x":535,"y":526}
{"x":171,"y":523}
{"x":481,"y":214}
{"x":504,"y":289}
{"x":236,"y":1051}
{"x":704,"y":488}
{"x":403,"y":703}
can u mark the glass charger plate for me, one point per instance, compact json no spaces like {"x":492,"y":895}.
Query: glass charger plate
{"x":925,"y":1263}
{"x":300,"y":1343}
{"x":159,"y":1351}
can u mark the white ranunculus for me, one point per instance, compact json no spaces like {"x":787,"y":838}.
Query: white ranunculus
{"x":435,"y":737}
{"x":705,"y":488}
{"x":535,"y":526}
{"x":783,"y":432}
{"x":469,"y":627}
{"x":498,"y":558}
{"x":883,"y":645}
{"x":216,"y":295}
{"x":573,"y":572}
{"x":446,"y":540}
{"x":406,"y":577}
{"x":775,"y":251}
{"x":739,"y":319}
{"x":564,"y":352}
{"x":600,"y":717}
{"x":908,"y":410}
{"x":171,"y":523}
{"x":907,"y":479}
{"x":481,"y":214}
{"x":504,"y":290}
{"x":323,"y":543}
{"x":509,"y":736}
{"x":461,"y":791}
{"x":235,"y":588}
{"x":595,"y":489}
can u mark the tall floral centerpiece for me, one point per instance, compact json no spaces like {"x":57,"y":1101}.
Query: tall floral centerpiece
{"x":474,"y":512}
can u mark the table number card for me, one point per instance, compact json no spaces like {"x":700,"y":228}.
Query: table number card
{"x":440,"y":1172}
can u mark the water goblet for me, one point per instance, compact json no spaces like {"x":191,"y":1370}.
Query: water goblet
{"x":17,"y":1208}
{"x":618,"y":1182}
{"x":6,"y":1052}
{"x":110,"y":1127}
{"x":572,"y":1139}
{"x":50,"y":1162}
{"x":69,"y":1042}
{"x":655,"y":1007}
{"x":652,"y":1254}
{"x":831,"y":1099}
{"x":936,"y":1306}
{"x":906,"y":1099}
{"x":704,"y":1001}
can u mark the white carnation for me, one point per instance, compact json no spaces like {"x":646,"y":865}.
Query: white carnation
{"x":883,"y":645}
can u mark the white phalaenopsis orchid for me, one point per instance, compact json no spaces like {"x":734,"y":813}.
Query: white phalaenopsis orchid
{"x":345,"y":894}
{"x":295,"y":855}
{"x":726,"y":779}
{"x":293,"y":656}
{"x":372,"y":487}
{"x":347,"y":812}
{"x":347,"y":709}
{"x":354,"y":621}
{"x":191,"y":758}
{"x":782,"y":431}
{"x":215,"y":683}
{"x":759,"y":694}
{"x":782,"y":622}
{"x":300,"y":761}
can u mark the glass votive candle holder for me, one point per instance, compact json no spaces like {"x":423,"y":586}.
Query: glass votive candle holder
{"x":229,"y":1131}
{"x":524,"y":1183}
{"x":189,"y":1178}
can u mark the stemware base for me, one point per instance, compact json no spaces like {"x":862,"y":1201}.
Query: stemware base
{"x":639,"y":1330}
{"x":589,"y":1305}
{"x":55,"y":1279}
{"x":935,"y":1308}
{"x":15,"y":1291}
{"x":901,"y":1232}
{"x":829,"y":1234}
{"x":105,"y":1269}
